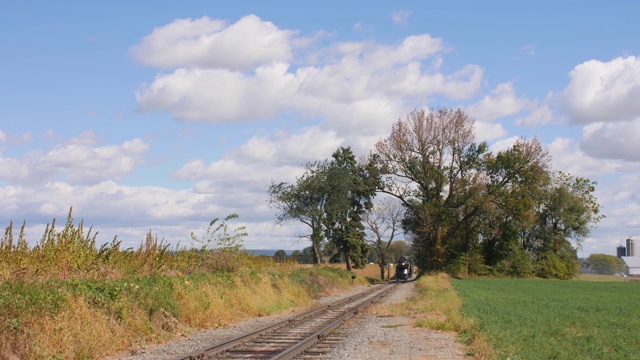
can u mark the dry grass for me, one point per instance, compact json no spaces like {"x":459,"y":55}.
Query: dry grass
{"x":66,"y":298}
{"x":77,"y":332}
{"x":597,"y":277}
{"x":99,"y":318}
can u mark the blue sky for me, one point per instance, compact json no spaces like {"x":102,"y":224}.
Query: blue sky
{"x":164,"y":115}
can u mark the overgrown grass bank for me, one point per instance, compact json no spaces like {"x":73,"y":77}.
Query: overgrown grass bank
{"x":549,"y":319}
{"x":91,"y":318}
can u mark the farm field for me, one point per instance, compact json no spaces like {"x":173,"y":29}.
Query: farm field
{"x":553,"y":319}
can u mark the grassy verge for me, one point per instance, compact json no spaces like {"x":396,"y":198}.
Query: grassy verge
{"x":547,"y":319}
{"x":437,"y":305}
{"x":91,"y":318}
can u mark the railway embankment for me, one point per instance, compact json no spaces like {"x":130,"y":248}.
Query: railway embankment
{"x":97,"y":317}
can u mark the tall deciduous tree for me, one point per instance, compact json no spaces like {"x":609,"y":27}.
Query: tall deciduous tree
{"x":430,"y":162}
{"x":305,"y":202}
{"x":567,"y":213}
{"x":516,"y":179}
{"x":468,"y":210}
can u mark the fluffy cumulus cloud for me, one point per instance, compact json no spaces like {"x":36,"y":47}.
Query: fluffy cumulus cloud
{"x":604,"y":91}
{"x":221,"y":95}
{"x":488,"y":131}
{"x":612,"y":140}
{"x":568,"y":157}
{"x":250,"y":167}
{"x":502,"y":101}
{"x":113,"y":209}
{"x":209,"y":43}
{"x":342,"y":75}
{"x":603,"y":97}
{"x":539,"y":115}
{"x":108,"y":202}
{"x":79,"y":160}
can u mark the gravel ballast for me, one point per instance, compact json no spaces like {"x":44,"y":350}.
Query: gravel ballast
{"x":367,"y":336}
{"x":370,"y":336}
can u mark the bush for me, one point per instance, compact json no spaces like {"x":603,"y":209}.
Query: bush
{"x":552,"y":266}
{"x":465,"y":265}
{"x":519,"y":265}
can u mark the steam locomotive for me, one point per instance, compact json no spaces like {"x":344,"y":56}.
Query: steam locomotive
{"x":404,"y":270}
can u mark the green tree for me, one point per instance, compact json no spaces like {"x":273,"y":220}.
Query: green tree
{"x":430,"y":163}
{"x":605,"y":264}
{"x":397,"y":249}
{"x":567,"y":213}
{"x":280,"y":254}
{"x":516,"y":181}
{"x":350,"y":190}
{"x":305,"y":202}
{"x":469,"y":211}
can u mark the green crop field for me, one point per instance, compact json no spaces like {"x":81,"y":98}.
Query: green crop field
{"x":553,"y":319}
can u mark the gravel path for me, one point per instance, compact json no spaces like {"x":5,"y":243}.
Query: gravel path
{"x":367,"y":336}
{"x":370,"y":336}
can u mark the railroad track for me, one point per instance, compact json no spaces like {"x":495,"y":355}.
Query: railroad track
{"x":291,"y":338}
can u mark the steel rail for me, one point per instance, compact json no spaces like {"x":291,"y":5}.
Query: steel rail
{"x":238,"y":340}
{"x":312,"y":340}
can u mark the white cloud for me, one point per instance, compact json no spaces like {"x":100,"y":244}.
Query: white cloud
{"x":284,"y":148}
{"x":570,"y":159}
{"x":612,"y":140}
{"x":504,"y":144}
{"x":604,"y":91}
{"x":78,"y":159}
{"x":488,"y":131}
{"x":538,"y":116}
{"x":219,"y":95}
{"x":253,"y":165}
{"x":15,"y":140}
{"x":502,"y":101}
{"x":211,"y":43}
{"x":113,"y":209}
{"x":107,"y":200}
{"x":351,"y":74}
{"x":620,"y":203}
{"x":400,"y":17}
{"x":22,"y":139}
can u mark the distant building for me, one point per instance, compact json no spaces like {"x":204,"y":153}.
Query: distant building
{"x":633,"y":265}
{"x":631,"y":247}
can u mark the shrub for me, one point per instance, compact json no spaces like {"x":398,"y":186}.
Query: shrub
{"x":465,"y":265}
{"x":519,"y":264}
{"x":552,"y":266}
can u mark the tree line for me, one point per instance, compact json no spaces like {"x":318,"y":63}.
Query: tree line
{"x":464,"y":209}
